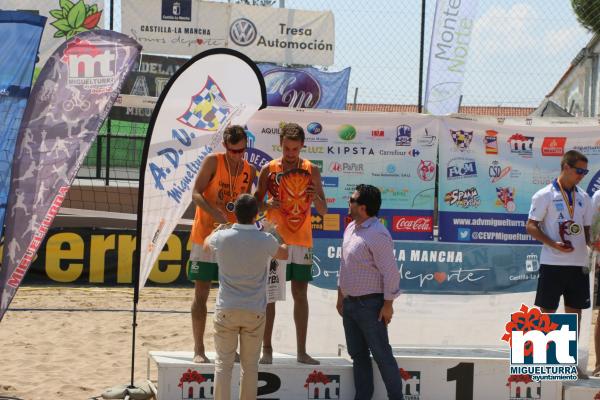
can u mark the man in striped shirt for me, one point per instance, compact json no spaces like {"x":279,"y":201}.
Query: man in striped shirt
{"x":369,"y":282}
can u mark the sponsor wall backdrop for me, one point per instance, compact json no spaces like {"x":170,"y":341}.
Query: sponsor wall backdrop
{"x":395,"y":152}
{"x":489,"y":170}
{"x":65,"y":19}
{"x":187,"y":27}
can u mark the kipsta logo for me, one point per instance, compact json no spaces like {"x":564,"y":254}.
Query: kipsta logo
{"x":176,"y":10}
{"x":543,"y":346}
{"x":462,"y":139}
{"x":522,"y":387}
{"x":321,"y":386}
{"x":411,"y":384}
{"x":403,"y":135}
{"x":426,"y":170}
{"x":195,"y":385}
{"x":292,"y":88}
{"x":243,"y":32}
{"x":208,"y":108}
{"x":314,"y":128}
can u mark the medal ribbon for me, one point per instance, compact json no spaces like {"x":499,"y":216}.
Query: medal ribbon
{"x":566,"y":198}
{"x":231,"y":187}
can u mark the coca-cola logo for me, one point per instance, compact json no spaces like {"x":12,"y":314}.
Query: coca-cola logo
{"x":292,"y":88}
{"x":409,"y":223}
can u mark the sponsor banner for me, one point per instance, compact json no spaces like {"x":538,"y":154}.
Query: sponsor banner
{"x":305,"y":87}
{"x":281,"y":35}
{"x":176,"y":27}
{"x":71,"y":98}
{"x":266,"y":34}
{"x":65,"y":19}
{"x":395,"y":152}
{"x":21,"y":33}
{"x":438,"y":268}
{"x":105,"y":256}
{"x":450,"y":38}
{"x":148,"y":79}
{"x":200,"y":100}
{"x":490,"y":168}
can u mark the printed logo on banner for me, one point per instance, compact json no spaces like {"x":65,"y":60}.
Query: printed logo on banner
{"x":490,"y":140}
{"x":522,"y":387}
{"x":254,"y":156}
{"x":506,"y":198}
{"x":391,"y":171}
{"x":327,"y":222}
{"x":377,"y":133}
{"x":411,"y":223}
{"x":90,"y":67}
{"x":497,"y":172}
{"x":330,"y":181}
{"x":403,"y":135}
{"x":463,"y":234}
{"x":426,"y":170}
{"x":346,"y":168}
{"x":411,"y":384}
{"x":314,"y":128}
{"x":208,"y":108}
{"x":462,"y":139}
{"x":321,"y":386}
{"x":243,"y":32}
{"x":427,"y":140}
{"x":195,"y":385}
{"x":542,"y":345}
{"x":350,"y":150}
{"x":593,"y":150}
{"x":553,"y":146}
{"x":346,"y":132}
{"x":74,"y":18}
{"x":532,"y":266}
{"x":270,"y":131}
{"x":521,"y":145}
{"x":397,"y":153}
{"x":176,"y":10}
{"x":458,"y":168}
{"x":307,"y":149}
{"x":318,"y":164}
{"x":292,"y":88}
{"x":468,"y":198}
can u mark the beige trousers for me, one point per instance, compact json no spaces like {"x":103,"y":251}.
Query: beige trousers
{"x":249,"y":326}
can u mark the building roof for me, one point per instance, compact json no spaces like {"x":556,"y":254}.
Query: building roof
{"x":496,"y":111}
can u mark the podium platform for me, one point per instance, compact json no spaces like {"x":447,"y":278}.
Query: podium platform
{"x":431,"y":373}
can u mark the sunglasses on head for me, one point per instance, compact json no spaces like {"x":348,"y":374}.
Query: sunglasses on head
{"x":580,"y":171}
{"x":236,"y":151}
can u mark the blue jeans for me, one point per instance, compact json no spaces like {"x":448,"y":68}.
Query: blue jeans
{"x":363,"y":333}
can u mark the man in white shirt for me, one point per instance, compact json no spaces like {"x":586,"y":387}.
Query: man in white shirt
{"x":560,"y":218}
{"x":596,"y":207}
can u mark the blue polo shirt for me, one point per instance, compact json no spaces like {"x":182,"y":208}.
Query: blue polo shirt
{"x":242,"y":253}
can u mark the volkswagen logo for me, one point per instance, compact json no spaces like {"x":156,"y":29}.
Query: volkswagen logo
{"x":242,"y":32}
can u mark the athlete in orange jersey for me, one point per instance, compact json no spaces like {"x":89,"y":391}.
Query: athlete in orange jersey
{"x":222,"y":178}
{"x":292,"y":217}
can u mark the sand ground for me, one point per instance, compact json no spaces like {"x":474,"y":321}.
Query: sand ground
{"x":57,"y":354}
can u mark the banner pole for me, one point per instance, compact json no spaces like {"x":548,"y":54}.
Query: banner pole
{"x":421,"y":56}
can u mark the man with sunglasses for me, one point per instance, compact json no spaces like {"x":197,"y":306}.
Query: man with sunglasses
{"x":222,"y":178}
{"x":560,"y":217}
{"x":291,"y":215}
{"x":368,"y":283}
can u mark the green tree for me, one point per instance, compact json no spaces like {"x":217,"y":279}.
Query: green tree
{"x":588,"y":14}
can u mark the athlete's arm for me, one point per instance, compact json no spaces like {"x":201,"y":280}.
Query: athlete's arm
{"x":206,"y":174}
{"x":261,"y":191}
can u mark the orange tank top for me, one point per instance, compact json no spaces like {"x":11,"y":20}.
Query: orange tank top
{"x":298,"y":229}
{"x":218,"y":194}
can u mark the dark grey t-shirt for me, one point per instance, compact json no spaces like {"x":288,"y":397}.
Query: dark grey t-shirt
{"x":243,"y":253}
